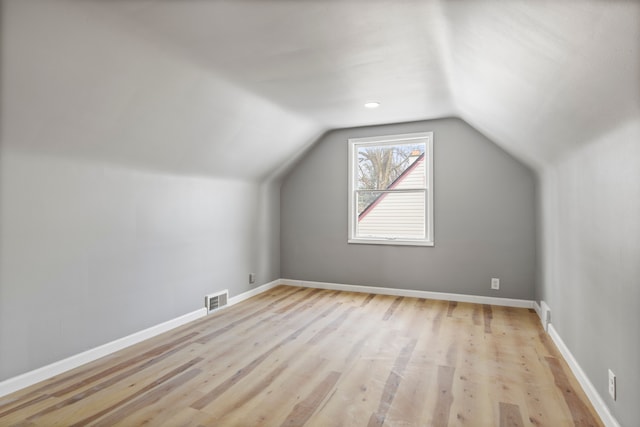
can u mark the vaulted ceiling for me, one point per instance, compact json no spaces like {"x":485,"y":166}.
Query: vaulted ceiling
{"x":537,"y":77}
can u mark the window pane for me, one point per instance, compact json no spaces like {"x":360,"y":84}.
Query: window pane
{"x":391,"y":214}
{"x":391,"y":190}
{"x":385,"y":166}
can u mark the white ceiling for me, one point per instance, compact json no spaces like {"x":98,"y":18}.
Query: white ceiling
{"x":323,"y":59}
{"x":538,"y":77}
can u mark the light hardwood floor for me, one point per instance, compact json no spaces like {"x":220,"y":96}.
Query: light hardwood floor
{"x":297,"y":356}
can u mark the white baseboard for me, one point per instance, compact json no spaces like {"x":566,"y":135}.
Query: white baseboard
{"x":507,"y":302}
{"x":29,"y":378}
{"x":538,"y":310}
{"x":590,"y":391}
{"x":596,"y":400}
{"x":32,"y":377}
{"x":253,"y":292}
{"x":544,"y":313}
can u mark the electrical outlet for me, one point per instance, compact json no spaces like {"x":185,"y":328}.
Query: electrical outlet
{"x":495,"y":283}
{"x":612,"y":384}
{"x":252,"y":278}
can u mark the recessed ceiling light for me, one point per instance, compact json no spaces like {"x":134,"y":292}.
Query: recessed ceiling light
{"x":372,"y":104}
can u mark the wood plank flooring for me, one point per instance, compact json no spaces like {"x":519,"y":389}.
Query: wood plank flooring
{"x":297,"y":356}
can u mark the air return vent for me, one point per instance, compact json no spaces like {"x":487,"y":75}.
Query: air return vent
{"x":215,"y":301}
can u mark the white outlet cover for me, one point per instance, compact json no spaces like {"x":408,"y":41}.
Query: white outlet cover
{"x":495,"y":283}
{"x":612,"y":384}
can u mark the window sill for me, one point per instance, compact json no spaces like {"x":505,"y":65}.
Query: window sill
{"x":393,"y":242}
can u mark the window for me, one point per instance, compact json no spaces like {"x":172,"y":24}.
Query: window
{"x":390,"y":190}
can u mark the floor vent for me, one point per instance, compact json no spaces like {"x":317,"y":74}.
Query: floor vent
{"x":215,"y":301}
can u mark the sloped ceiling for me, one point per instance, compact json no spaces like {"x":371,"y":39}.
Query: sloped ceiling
{"x":542,"y":77}
{"x":538,"y":77}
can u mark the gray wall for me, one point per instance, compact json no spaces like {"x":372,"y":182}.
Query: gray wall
{"x":591,"y":237}
{"x":484,"y":219}
{"x":92,"y":252}
{"x":121,"y":201}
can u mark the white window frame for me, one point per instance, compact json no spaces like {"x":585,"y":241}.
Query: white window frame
{"x":354,"y":144}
